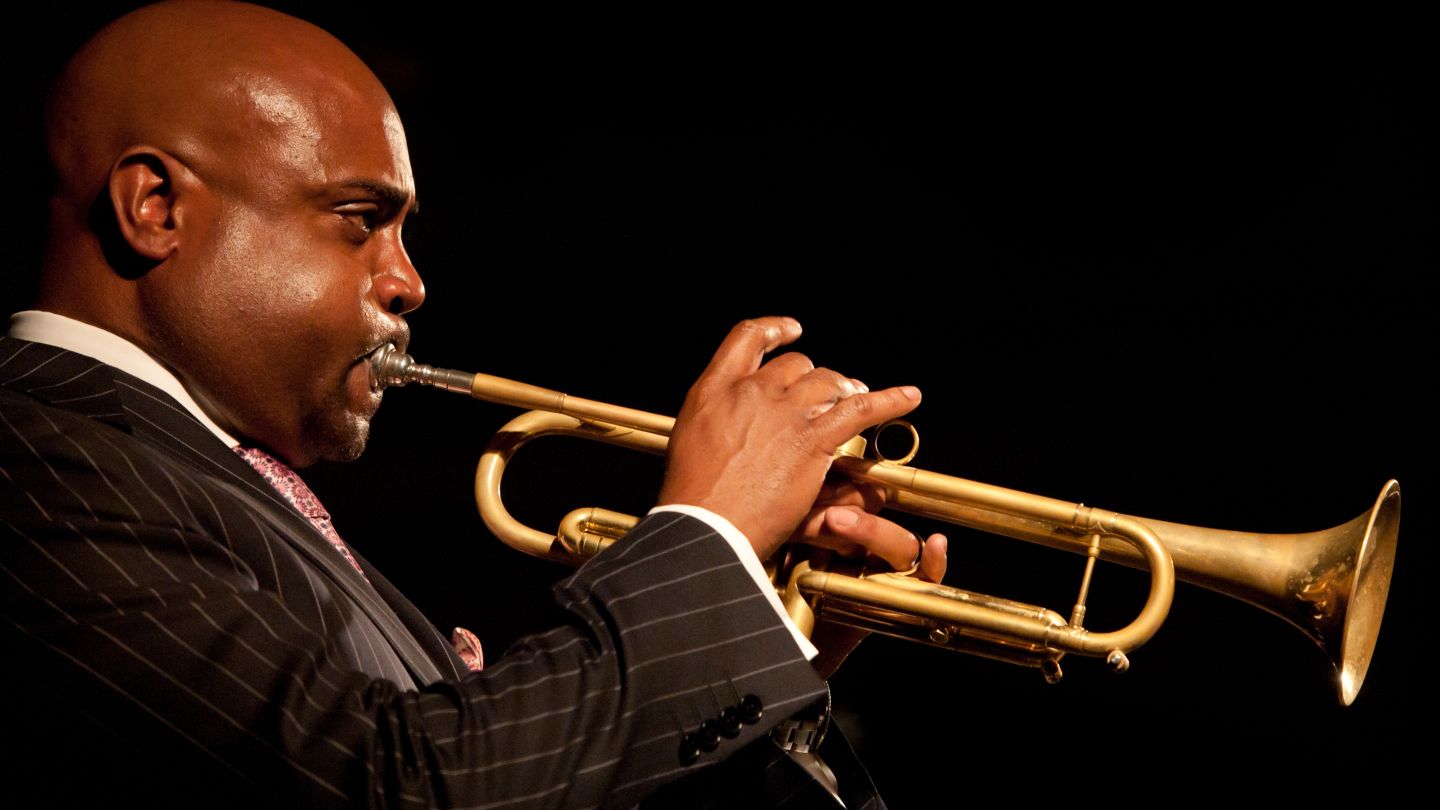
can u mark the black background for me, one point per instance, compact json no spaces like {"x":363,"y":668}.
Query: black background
{"x":1185,"y":280}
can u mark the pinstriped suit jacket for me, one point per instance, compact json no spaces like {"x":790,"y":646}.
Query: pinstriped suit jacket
{"x":173,"y":625}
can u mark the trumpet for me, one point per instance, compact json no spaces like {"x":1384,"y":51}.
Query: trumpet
{"x":1331,"y":585}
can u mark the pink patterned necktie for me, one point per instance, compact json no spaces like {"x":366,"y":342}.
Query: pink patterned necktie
{"x":288,"y":483}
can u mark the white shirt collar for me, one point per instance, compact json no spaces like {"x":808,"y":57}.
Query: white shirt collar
{"x":111,"y":349}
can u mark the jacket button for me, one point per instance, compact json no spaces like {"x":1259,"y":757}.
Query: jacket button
{"x":708,"y":736}
{"x":730,"y":723}
{"x":689,"y":751}
{"x":751,"y":709}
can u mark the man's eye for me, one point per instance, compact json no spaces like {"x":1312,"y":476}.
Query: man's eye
{"x":360,"y":223}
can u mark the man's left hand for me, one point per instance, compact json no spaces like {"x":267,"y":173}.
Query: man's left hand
{"x":843,"y":520}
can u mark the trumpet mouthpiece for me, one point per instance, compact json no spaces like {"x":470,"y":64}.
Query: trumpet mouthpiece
{"x":388,"y":367}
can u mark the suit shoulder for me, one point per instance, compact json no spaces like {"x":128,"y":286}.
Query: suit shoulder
{"x":59,"y":464}
{"x":31,"y":430}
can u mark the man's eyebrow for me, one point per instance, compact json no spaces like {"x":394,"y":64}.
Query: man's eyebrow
{"x":392,"y":196}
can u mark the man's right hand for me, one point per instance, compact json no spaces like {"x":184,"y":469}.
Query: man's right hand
{"x":754,"y":440}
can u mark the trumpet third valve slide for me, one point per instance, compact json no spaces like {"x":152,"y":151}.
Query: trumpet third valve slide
{"x":1331,"y":585}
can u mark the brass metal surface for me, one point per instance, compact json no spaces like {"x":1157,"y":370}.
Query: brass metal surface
{"x":1332,"y":584}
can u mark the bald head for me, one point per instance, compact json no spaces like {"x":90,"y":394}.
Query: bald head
{"x":228,"y":176}
{"x":201,"y":80}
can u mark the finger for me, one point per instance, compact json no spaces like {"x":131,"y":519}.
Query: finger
{"x":813,"y":531}
{"x":894,"y":544}
{"x":851,"y":415}
{"x":844,"y":492}
{"x":851,"y":532}
{"x":748,"y":342}
{"x":782,"y":372}
{"x":823,"y":388}
{"x":934,"y":558}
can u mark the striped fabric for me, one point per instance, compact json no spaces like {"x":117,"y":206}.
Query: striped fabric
{"x":298,"y":494}
{"x":157,"y":592}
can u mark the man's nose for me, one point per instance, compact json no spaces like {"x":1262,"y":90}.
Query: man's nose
{"x":398,"y":287}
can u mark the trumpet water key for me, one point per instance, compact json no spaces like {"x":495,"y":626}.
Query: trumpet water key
{"x":1331,"y":584}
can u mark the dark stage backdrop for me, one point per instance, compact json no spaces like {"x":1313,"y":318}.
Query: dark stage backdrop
{"x":1193,"y":283}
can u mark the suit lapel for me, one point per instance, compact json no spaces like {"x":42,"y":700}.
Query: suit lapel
{"x":422,"y":630}
{"x":86,"y":386}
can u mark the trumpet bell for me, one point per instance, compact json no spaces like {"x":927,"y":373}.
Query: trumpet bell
{"x":1369,"y":588}
{"x":1331,"y":585}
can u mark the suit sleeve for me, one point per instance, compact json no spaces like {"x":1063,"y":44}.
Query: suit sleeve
{"x":136,"y":598}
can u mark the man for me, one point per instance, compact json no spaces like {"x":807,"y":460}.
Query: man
{"x":224,"y":256}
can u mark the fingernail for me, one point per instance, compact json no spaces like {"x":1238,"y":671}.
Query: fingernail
{"x":844,"y":518}
{"x":911,"y":392}
{"x":860,"y":386}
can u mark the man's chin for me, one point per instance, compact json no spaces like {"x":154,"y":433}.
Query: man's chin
{"x":341,"y":442}
{"x":349,"y":452}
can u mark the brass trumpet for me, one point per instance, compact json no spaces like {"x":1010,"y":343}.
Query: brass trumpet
{"x":1331,"y":584}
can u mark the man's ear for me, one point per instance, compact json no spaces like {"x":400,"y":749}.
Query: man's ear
{"x":145,"y":189}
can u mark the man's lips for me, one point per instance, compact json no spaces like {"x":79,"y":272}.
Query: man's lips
{"x":364,"y":397}
{"x":363,"y":369}
{"x":398,"y":341}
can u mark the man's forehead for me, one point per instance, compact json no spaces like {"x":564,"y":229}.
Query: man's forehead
{"x":275,"y":104}
{"x":399,"y":147}
{"x":329,"y":137}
